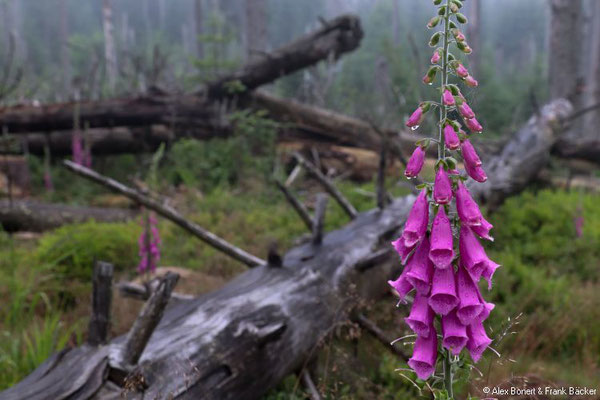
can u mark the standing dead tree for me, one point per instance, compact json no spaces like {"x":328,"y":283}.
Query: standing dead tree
{"x":241,"y":340}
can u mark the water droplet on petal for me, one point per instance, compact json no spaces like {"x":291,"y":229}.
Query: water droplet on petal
{"x":414,"y":128}
{"x":430,"y":83}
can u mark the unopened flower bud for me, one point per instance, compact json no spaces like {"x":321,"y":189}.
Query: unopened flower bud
{"x":474,"y":125}
{"x":453,"y":7}
{"x":462,"y":71}
{"x":415,"y":163}
{"x":465,"y":110}
{"x":448,"y":98}
{"x":451,"y":138}
{"x":435,"y":57}
{"x":416,"y":118}
{"x":442,"y":188}
{"x":469,"y":154}
{"x":433,"y":22}
{"x":435,"y":39}
{"x":437,"y":2}
{"x":470,"y":81}
{"x":461,"y":18}
{"x":477,"y":173}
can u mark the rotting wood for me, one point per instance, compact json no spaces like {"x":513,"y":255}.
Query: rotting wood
{"x":167,"y":212}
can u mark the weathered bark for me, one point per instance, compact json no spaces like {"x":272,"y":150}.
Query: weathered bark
{"x":241,"y":340}
{"x":32,"y":216}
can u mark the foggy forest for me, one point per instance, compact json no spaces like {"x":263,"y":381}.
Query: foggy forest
{"x":309,"y":199}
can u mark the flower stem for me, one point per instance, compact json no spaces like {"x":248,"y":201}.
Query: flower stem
{"x":448,"y":375}
{"x":443,"y":107}
{"x":441,"y":154}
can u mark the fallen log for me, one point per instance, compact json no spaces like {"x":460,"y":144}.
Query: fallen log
{"x":241,"y":340}
{"x":338,"y":36}
{"x":33,"y":216}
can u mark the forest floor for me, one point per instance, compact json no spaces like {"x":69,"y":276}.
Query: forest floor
{"x":547,"y":292}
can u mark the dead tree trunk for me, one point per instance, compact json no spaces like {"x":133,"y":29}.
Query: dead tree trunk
{"x":38,"y":217}
{"x":110,"y":51}
{"x":241,"y":340}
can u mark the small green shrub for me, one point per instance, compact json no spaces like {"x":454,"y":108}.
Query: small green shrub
{"x":548,"y":274}
{"x":72,"y":249}
{"x":209,"y":164}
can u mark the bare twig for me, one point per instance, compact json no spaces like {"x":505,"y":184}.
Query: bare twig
{"x":310,"y":385}
{"x":327,"y":185}
{"x":169,"y":213}
{"x":298,"y":206}
{"x":141,"y":292}
{"x":580,"y":113}
{"x":99,"y":325}
{"x":378,"y":334}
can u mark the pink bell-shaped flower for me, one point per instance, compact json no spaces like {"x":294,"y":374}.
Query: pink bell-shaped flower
{"x":441,"y":252}
{"x":417,"y":221}
{"x":402,"y":285}
{"x":415,"y":163}
{"x":443,"y":297}
{"x":403,"y":251}
{"x":421,"y":316}
{"x":468,"y":210}
{"x":488,"y":272}
{"x":424,"y":355}
{"x":474,"y":125}
{"x":451,"y":138}
{"x":470,"y":306}
{"x":483,"y":230}
{"x":454,"y":332}
{"x":447,"y":98}
{"x":472,"y":254}
{"x":435,"y":57}
{"x":487,"y":309}
{"x":442,"y":188}
{"x":478,"y":340}
{"x":421,"y":268}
